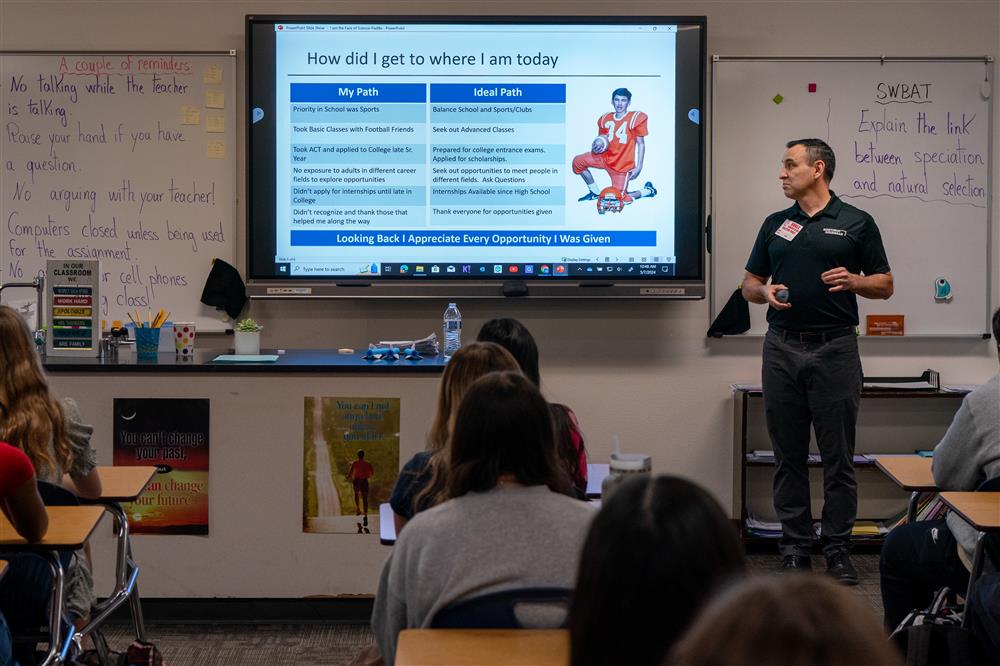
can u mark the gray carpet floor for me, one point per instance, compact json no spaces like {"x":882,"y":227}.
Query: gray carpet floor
{"x":337,"y":644}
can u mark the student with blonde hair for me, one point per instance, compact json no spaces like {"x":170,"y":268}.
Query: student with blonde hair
{"x":421,"y":483}
{"x":51,"y":433}
{"x":791,"y":620}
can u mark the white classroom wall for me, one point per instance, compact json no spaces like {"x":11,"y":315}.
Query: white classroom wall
{"x":642,"y":370}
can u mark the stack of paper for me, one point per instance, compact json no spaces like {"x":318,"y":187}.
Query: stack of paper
{"x":427,"y":346}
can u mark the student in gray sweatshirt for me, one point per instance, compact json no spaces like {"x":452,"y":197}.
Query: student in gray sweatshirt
{"x":510,"y":522}
{"x":920,"y":558}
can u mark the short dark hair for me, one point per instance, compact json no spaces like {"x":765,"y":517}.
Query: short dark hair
{"x":996,"y":327}
{"x":513,"y":336}
{"x":361,"y":453}
{"x":503,"y":427}
{"x":657,"y":551}
{"x":623,"y":92}
{"x":818,"y":149}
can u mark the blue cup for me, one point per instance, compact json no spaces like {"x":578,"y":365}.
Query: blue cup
{"x":147,"y":342}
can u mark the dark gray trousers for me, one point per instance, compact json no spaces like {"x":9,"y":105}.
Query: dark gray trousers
{"x":819,"y":383}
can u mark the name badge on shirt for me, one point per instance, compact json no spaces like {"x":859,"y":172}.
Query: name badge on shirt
{"x":788,"y":230}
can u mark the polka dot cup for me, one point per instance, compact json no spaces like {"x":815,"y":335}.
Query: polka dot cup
{"x":184,"y":338}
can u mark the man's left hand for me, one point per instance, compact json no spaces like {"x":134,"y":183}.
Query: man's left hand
{"x":840,"y":279}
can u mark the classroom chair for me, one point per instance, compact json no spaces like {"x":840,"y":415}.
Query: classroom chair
{"x":519,"y":608}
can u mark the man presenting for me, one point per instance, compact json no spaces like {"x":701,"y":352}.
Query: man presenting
{"x":820,"y":254}
{"x":619,"y":149}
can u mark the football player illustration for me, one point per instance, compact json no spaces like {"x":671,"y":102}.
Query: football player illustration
{"x":619,"y":148}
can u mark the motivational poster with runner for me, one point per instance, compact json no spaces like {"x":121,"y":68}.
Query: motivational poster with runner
{"x":173,"y":434}
{"x":350,"y":462}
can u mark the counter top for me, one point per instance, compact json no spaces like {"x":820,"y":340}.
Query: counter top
{"x":292,"y":360}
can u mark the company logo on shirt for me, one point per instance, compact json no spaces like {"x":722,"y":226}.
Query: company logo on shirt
{"x":835,"y":232}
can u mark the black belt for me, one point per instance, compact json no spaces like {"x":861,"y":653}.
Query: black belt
{"x":812,"y":336}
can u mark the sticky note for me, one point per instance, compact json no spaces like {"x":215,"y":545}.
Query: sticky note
{"x":215,"y":99}
{"x":215,"y":123}
{"x":215,"y":150}
{"x":212,"y":75}
{"x":812,"y":87}
{"x":190,"y":115}
{"x":778,"y":99}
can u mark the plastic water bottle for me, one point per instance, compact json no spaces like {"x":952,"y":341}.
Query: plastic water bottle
{"x":452,"y":329}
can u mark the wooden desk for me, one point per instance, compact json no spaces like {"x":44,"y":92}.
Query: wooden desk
{"x":982,"y":511}
{"x":121,"y":484}
{"x":124,"y":484}
{"x":911,"y":473}
{"x":69,"y":529}
{"x":483,"y":647}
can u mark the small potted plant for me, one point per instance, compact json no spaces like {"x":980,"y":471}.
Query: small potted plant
{"x":248,"y":337}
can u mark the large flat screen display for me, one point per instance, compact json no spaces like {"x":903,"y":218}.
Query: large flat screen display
{"x":545,"y":154}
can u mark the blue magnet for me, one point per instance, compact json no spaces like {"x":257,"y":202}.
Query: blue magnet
{"x":258,"y":114}
{"x":694,"y":116}
{"x":942,"y":290}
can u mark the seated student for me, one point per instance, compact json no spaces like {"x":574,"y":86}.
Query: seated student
{"x":793,"y":620}
{"x":658,"y":549}
{"x":21,"y":504}
{"x":508,"y":524}
{"x":421,"y":481}
{"x":53,"y":437}
{"x":919,"y":558}
{"x":515,"y":338}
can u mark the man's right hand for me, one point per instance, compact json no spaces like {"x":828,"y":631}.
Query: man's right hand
{"x":770,"y":293}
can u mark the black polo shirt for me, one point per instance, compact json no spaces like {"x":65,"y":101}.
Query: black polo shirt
{"x":838,"y":235}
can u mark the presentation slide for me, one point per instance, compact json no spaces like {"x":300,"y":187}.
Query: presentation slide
{"x":474,"y":149}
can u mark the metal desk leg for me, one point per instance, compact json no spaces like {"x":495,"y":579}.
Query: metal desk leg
{"x":977,"y":569}
{"x":135,"y":605}
{"x":53,"y":655}
{"x":911,"y":508}
{"x":126,"y":574}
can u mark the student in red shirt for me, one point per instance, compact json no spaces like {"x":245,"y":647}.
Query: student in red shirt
{"x":22,"y":506}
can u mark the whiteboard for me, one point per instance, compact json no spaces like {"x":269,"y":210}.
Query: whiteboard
{"x":928,"y":189}
{"x":128,"y":158}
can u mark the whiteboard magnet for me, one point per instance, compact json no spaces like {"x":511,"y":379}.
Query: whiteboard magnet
{"x":942,"y":290}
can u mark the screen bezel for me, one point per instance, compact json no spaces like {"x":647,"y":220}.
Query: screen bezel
{"x":689,"y":184}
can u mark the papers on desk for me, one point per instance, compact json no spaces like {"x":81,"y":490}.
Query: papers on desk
{"x":901,"y":386}
{"x":427,"y":346}
{"x":245,"y":358}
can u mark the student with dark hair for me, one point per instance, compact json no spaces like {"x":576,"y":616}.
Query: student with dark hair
{"x":796,"y":620}
{"x":507,"y":525}
{"x":513,"y":336}
{"x":658,"y":549}
{"x":919,"y":558}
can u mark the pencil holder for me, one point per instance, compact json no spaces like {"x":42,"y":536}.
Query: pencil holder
{"x":147,"y":342}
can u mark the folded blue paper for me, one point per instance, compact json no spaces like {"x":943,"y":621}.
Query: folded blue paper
{"x":382,"y":354}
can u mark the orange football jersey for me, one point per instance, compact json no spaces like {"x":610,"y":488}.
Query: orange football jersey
{"x":621,"y":133}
